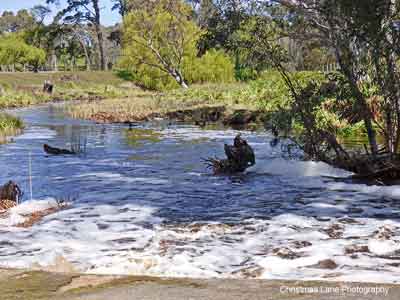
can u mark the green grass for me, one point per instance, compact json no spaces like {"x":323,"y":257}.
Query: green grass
{"x":27,"y":79}
{"x":23,"y":89}
{"x":9,"y":126}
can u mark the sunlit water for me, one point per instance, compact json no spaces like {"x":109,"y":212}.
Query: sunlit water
{"x":153,"y":208}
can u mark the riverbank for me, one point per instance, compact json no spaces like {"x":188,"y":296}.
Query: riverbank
{"x":38,"y":285}
{"x":200,"y":105}
{"x":25,"y":89}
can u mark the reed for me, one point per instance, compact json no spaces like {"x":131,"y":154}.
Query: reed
{"x":9,"y":126}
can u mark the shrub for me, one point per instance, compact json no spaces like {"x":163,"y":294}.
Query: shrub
{"x":213,"y":67}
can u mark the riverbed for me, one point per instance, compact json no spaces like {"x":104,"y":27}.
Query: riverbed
{"x":142,"y":202}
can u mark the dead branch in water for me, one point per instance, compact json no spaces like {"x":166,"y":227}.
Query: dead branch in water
{"x":240,"y":156}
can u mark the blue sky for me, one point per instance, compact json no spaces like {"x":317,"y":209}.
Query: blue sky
{"x":108,"y":17}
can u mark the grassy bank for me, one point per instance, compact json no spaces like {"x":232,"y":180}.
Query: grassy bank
{"x":143,"y":105}
{"x":24,"y":89}
{"x":107,"y":98}
{"x":264,"y":94}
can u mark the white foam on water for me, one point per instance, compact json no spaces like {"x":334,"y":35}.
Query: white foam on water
{"x":131,"y":239}
{"x":17,"y":215}
{"x":295,"y":168}
{"x":119,"y":177}
{"x":36,"y":133}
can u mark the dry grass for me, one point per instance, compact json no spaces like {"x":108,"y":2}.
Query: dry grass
{"x":19,"y":79}
{"x":23,"y":89}
{"x":143,"y":105}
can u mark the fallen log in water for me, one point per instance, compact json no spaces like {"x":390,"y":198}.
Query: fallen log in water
{"x":57,"y":151}
{"x":240,"y":156}
{"x":383,"y":167}
{"x":10,"y":195}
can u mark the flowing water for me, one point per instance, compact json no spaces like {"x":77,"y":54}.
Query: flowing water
{"x":142,"y":202}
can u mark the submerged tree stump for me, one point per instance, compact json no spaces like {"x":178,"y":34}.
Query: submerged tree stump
{"x":240,"y":156}
{"x":10,"y":195}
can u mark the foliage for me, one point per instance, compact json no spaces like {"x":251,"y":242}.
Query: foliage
{"x":213,"y":67}
{"x":9,"y":125}
{"x":11,"y":23}
{"x":14,"y":50}
{"x":158,"y":42}
{"x":80,"y":12}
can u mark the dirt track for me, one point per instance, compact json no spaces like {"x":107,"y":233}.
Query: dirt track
{"x":36,"y":285}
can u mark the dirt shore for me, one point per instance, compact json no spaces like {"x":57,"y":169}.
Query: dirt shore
{"x":38,"y":285}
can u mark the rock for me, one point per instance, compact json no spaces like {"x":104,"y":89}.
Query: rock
{"x":249,"y":272}
{"x":286,"y":253}
{"x":240,"y":156}
{"x":301,"y":244}
{"x":335,"y":231}
{"x":384,"y":233}
{"x":356,"y":249}
{"x":325,"y":264}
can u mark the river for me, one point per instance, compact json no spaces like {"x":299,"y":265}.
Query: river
{"x":151,"y":207}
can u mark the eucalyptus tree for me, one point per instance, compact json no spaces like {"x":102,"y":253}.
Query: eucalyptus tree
{"x":159,"y":37}
{"x":84,"y":12}
{"x":10,"y":22}
{"x":122,"y":6}
{"x":364,"y":36}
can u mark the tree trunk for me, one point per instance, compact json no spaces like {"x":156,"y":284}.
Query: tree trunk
{"x":179,"y":79}
{"x":360,"y":99}
{"x":99,"y":34}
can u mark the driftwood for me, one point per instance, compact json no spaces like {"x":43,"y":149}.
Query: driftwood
{"x":57,"y":151}
{"x":10,"y":195}
{"x":240,"y":156}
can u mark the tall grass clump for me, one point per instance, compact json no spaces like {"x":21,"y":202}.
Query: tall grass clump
{"x":9,"y":126}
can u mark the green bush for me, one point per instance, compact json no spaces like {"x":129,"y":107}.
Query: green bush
{"x":245,"y":74}
{"x":213,"y":67}
{"x":14,"y":50}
